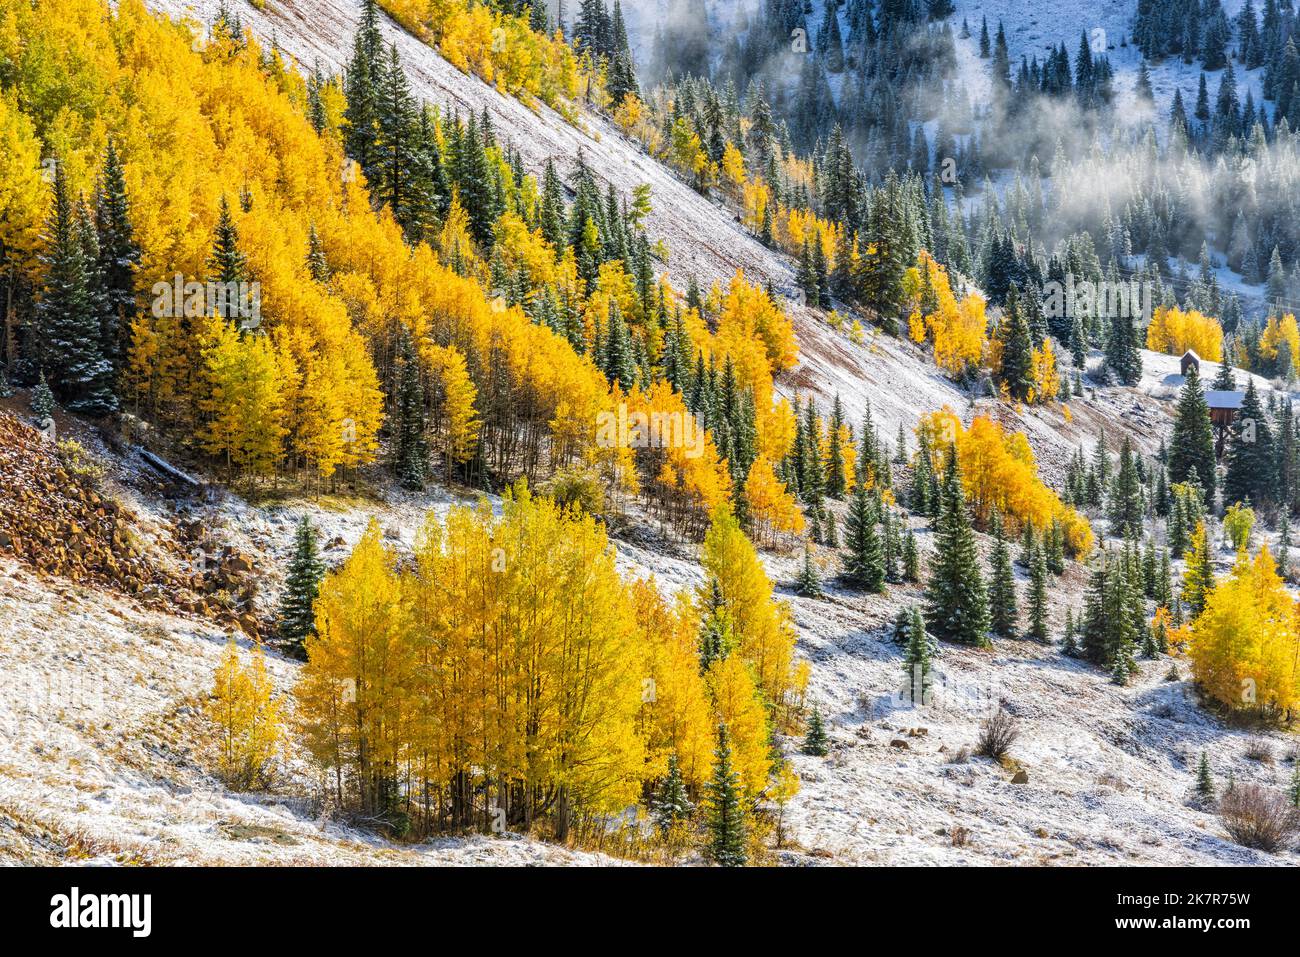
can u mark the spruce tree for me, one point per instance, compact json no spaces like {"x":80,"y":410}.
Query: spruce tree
{"x":69,"y":334}
{"x":1204,"y":779}
{"x":362,"y":77}
{"x":864,"y":564}
{"x":808,"y":583}
{"x":917,"y":658}
{"x":715,"y":640}
{"x":1191,"y":448}
{"x":911,"y":558}
{"x":671,"y":806}
{"x":41,"y":401}
{"x":1069,"y":646}
{"x":728,"y":828}
{"x":815,"y":743}
{"x":119,"y":260}
{"x":1251,"y":475}
{"x":1003,"y":610}
{"x":411,"y":451}
{"x":1017,"y":350}
{"x":301,"y":586}
{"x":1126,"y":495}
{"x":956,"y":597}
{"x":1038,"y":599}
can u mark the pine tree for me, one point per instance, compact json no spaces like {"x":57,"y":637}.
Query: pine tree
{"x":226,"y":264}
{"x":716,"y":635}
{"x":301,"y":586}
{"x":815,"y":743}
{"x":864,"y":564}
{"x":411,"y":451}
{"x":1251,"y":475}
{"x":1204,"y":779}
{"x":1069,"y":645}
{"x":808,"y":583}
{"x":911,"y":558}
{"x":1198,"y":576}
{"x":362,"y":78}
{"x":917,"y":657}
{"x":397,"y":126}
{"x":1191,"y":448}
{"x":1038,"y":599}
{"x":1126,"y":495}
{"x":728,"y":828}
{"x":1123,"y":359}
{"x":671,"y":806}
{"x":69,"y":334}
{"x":1284,"y":546}
{"x":1017,"y":350}
{"x":119,"y":260}
{"x":956,"y":598}
{"x":42,"y":400}
{"x":1002,"y":585}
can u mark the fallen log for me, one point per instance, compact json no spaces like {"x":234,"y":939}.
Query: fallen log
{"x":171,"y":471}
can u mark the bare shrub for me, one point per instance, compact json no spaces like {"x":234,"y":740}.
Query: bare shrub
{"x":997,"y":733}
{"x":1255,"y":816}
{"x":1260,"y":749}
{"x":960,"y":836}
{"x":960,"y":756}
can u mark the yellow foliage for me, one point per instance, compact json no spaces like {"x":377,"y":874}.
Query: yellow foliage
{"x":957,"y":330}
{"x":1245,"y":645}
{"x":250,"y":728}
{"x":1278,"y":331}
{"x":1174,"y":331}
{"x":999,"y":472}
{"x":763,"y":628}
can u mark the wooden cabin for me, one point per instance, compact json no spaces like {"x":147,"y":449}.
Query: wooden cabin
{"x":1190,"y":360}
{"x":1224,"y":407}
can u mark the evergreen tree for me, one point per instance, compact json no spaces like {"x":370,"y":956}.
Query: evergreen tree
{"x":956,"y":598}
{"x":911,"y":558}
{"x":411,"y":451}
{"x":1191,"y":448}
{"x":302,"y":584}
{"x":917,"y":657}
{"x":715,"y":639}
{"x":68,"y":326}
{"x":1038,"y":599}
{"x":42,"y":399}
{"x":1017,"y":350}
{"x":361,"y":83}
{"x":808,"y":583}
{"x":728,"y":828}
{"x":1251,"y":474}
{"x":1002,"y":585}
{"x":815,"y":743}
{"x":1204,"y":779}
{"x":119,"y":260}
{"x":864,"y":564}
{"x":226,"y":264}
{"x":671,"y":805}
{"x":1069,"y":645}
{"x":1126,"y":495}
{"x":1123,"y":358}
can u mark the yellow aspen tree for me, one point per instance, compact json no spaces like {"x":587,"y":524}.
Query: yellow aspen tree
{"x":1245,"y":644}
{"x":249,"y":725}
{"x":762,"y":626}
{"x":459,"y":420}
{"x":353,"y":692}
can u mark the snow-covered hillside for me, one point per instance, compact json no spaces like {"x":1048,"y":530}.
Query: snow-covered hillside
{"x":100,"y":707}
